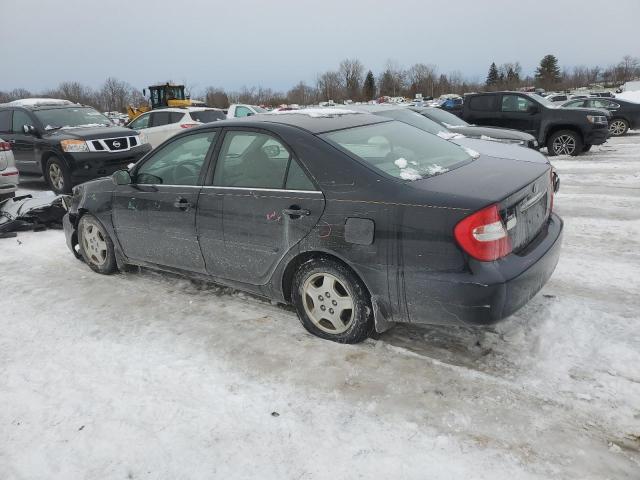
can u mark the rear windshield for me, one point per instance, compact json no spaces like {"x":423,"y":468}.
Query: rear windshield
{"x":400,"y":150}
{"x":206,"y":116}
{"x":444,"y":118}
{"x":72,"y":117}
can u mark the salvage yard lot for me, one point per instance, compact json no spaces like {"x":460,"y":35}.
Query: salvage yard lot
{"x":147,"y":375}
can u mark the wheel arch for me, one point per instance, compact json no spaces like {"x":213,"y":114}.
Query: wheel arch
{"x":46,"y":155}
{"x":381,"y":308}
{"x":562,"y":126}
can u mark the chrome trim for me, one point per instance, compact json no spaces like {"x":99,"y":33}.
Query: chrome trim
{"x":232,"y":188}
{"x":532,"y":201}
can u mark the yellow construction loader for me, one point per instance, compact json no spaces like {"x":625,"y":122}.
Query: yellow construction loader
{"x":160,"y":96}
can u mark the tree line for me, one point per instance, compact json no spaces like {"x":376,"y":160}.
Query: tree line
{"x":352,"y":81}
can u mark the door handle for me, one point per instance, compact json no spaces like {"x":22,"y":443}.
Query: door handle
{"x":295,"y":212}
{"x":182,"y":204}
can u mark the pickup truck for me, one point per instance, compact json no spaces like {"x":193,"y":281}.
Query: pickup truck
{"x":564,"y":131}
{"x":239,"y":110}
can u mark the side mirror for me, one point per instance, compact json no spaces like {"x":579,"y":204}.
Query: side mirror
{"x":121,"y":177}
{"x":249,"y":114}
{"x":29,"y":129}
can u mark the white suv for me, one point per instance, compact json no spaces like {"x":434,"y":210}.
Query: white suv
{"x":158,"y":125}
{"x":8,"y":172}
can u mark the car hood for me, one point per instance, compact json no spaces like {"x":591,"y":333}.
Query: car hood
{"x":88,"y":133}
{"x":500,"y":133}
{"x":483,"y":181}
{"x":501,"y":150}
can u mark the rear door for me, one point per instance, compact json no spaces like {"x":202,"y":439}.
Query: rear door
{"x":158,"y":130}
{"x":260,"y":203}
{"x":483,"y":110}
{"x":155,"y":216}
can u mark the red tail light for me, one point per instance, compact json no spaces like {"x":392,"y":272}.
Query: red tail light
{"x":9,"y":174}
{"x":483,"y":235}
{"x":188,"y":125}
{"x":5,"y":146}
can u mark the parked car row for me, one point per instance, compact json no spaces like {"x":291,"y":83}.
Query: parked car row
{"x":624,"y":114}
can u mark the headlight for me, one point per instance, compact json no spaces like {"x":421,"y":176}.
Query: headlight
{"x":143,"y":138}
{"x":535,"y":143}
{"x":74,"y":146}
{"x":597,"y":119}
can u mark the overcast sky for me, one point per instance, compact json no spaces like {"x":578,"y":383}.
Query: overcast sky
{"x":275,"y":43}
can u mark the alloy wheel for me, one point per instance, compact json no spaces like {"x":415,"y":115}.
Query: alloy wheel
{"x":564,"y":145}
{"x":328,"y":303}
{"x":56,"y":176}
{"x":617,"y":127}
{"x":94,"y":243}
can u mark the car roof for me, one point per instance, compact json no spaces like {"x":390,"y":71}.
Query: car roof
{"x":41,"y":104}
{"x":315,"y":120}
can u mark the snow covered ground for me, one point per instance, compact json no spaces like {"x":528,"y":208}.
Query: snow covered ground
{"x":147,"y":375}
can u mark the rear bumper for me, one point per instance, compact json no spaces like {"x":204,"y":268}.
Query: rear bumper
{"x":86,"y":166}
{"x":9,"y":180}
{"x":490,"y":291}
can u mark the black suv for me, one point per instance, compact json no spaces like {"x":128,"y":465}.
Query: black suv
{"x":67,"y":143}
{"x":564,"y":131}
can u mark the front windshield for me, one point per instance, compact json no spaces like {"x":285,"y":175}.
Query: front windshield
{"x":400,"y":150}
{"x":444,"y":118}
{"x":542,"y":100}
{"x":71,"y":117}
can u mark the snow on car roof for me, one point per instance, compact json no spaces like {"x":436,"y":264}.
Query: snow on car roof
{"x":35,"y":102}
{"x":314,"y":112}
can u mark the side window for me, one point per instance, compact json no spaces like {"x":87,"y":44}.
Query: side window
{"x":159,"y":119}
{"x":175,"y":117}
{"x":577,"y":104}
{"x":516,"y":103}
{"x":297,"y":179}
{"x":177,"y":163}
{"x":483,"y":103}
{"x":19,"y":120}
{"x":242,"y":112}
{"x":5,"y":121}
{"x":141,"y":122}
{"x":251,"y":160}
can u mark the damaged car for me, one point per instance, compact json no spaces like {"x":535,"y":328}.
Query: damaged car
{"x":358,"y":220}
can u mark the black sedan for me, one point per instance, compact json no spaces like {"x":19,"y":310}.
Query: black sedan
{"x":358,"y":220}
{"x":625,"y":115}
{"x":456,"y":124}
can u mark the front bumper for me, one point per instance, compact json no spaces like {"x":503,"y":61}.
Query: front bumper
{"x":490,"y":291}
{"x":86,"y":166}
{"x":597,"y":136}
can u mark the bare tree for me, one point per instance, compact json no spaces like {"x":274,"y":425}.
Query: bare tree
{"x":216,"y":97}
{"x":330,"y":86}
{"x":302,"y":94}
{"x":352,"y":72}
{"x":392,"y":80}
{"x":422,"y":79}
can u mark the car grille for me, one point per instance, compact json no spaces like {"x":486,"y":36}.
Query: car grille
{"x":527,"y":212}
{"x":113,"y":144}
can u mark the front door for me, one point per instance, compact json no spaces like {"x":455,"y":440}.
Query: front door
{"x":520,"y":113}
{"x":23,"y":144}
{"x":155,"y":216}
{"x":261,"y":203}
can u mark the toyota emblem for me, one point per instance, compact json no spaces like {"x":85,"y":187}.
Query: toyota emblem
{"x":116,"y":144}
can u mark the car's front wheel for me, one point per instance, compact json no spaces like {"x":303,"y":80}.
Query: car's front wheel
{"x":96,"y":246}
{"x":618,"y":127}
{"x":564,"y":142}
{"x":332,"y":302}
{"x":57,"y":175}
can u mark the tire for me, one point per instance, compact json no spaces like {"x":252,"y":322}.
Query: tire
{"x":618,"y":127}
{"x":332,"y":302}
{"x":96,"y":246}
{"x":564,"y":142}
{"x":57,"y":175}
{"x":586,"y":148}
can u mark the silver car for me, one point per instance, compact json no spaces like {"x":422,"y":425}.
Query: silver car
{"x":9,"y":177}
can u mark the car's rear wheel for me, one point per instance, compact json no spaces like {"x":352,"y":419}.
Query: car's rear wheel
{"x":618,"y":127}
{"x":96,"y":246}
{"x":564,"y":142}
{"x":57,"y":175}
{"x":332,"y":302}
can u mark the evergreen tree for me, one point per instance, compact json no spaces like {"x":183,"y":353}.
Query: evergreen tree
{"x":548,"y":73}
{"x":493,"y":77}
{"x":369,"y":87}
